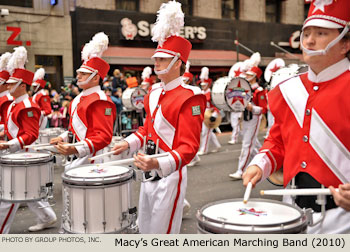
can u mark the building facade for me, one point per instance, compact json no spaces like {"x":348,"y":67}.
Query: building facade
{"x":45,"y":30}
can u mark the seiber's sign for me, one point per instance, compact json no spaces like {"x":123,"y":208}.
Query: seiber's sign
{"x":143,"y":29}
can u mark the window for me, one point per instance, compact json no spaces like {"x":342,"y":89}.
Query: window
{"x":230,"y":9}
{"x":20,"y":3}
{"x":273,"y":11}
{"x":187,"y":7}
{"x":129,"y":5}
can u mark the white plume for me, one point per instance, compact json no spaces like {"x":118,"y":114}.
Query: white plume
{"x":255,"y":59}
{"x":18,"y":59}
{"x":204,"y":73}
{"x":146,"y":73}
{"x":169,"y":21}
{"x":247,"y":64}
{"x":4,"y":59}
{"x":39,"y":74}
{"x":95,"y":48}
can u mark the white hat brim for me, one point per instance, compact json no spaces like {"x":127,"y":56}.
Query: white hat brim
{"x":11,"y":81}
{"x":84,"y":70}
{"x":322,"y":23}
{"x":162,"y":55}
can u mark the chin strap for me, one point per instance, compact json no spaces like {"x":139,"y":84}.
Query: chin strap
{"x":82,"y":83}
{"x":16,"y":86}
{"x":166,"y":70}
{"x":36,"y":88}
{"x":329,"y":46}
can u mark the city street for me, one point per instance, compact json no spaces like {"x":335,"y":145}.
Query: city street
{"x":207,"y":182}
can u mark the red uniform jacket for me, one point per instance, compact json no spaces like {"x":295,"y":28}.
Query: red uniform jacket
{"x":259,"y":99}
{"x":312,"y":125}
{"x":42,"y":98}
{"x":175,"y":114}
{"x":22,"y":123}
{"x":5,"y":102}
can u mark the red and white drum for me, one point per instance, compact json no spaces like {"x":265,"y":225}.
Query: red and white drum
{"x":97,"y":199}
{"x":45,"y":135}
{"x":132,"y":98}
{"x":257,"y":216}
{"x":231,"y":94}
{"x":26,"y":176}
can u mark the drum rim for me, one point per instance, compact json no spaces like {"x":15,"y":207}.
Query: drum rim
{"x":37,"y":160}
{"x":97,"y":181}
{"x":204,"y":219}
{"x":211,"y":94}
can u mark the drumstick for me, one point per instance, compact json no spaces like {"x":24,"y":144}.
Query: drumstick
{"x":68,"y":145}
{"x":248,"y":190}
{"x":102,"y":155}
{"x":33,"y":146}
{"x":131,"y":160}
{"x":296,"y":192}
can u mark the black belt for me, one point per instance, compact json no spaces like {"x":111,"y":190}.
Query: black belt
{"x":304,"y":180}
{"x":148,"y":176}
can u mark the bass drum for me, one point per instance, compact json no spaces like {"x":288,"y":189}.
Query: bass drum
{"x":132,"y":98}
{"x":258,"y":216}
{"x":286,"y":73}
{"x":231,"y":94}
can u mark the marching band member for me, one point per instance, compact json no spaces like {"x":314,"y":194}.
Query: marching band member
{"x":92,"y":112}
{"x":310,"y":135}
{"x":251,"y":118}
{"x":207,"y":134}
{"x":147,"y":81}
{"x":22,"y":128}
{"x":5,"y":97}
{"x":187,"y":77}
{"x":174,"y":118}
{"x":41,"y":97}
{"x":235,"y":117}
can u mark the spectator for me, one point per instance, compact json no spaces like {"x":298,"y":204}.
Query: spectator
{"x":118,"y":80}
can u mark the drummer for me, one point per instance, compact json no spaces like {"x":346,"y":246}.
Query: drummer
{"x":41,"y":97}
{"x":251,"y":117}
{"x":174,"y":118}
{"x":5,"y":97}
{"x":22,"y":128}
{"x":310,"y":135}
{"x":92,"y":112}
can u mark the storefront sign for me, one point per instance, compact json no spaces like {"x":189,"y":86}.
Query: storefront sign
{"x":143,"y":29}
{"x":12,"y":39}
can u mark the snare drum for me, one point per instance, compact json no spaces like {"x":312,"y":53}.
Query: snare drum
{"x":26,"y":176}
{"x":231,"y":94}
{"x":132,"y":98}
{"x":96,"y":199}
{"x":257,"y":216}
{"x":45,"y":135}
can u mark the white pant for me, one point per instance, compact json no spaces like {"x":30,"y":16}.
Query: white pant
{"x":270,"y":120}
{"x":43,"y":122}
{"x":207,"y":136}
{"x":161,"y":204}
{"x":250,"y":142}
{"x":235,"y":118}
{"x":8,"y":212}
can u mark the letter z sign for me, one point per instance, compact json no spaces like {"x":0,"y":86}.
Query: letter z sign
{"x":12,"y":39}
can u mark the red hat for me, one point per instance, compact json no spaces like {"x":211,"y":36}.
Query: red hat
{"x":187,"y":77}
{"x":95,"y":64}
{"x":173,"y":46}
{"x":255,"y":71}
{"x":331,"y":14}
{"x":42,"y":83}
{"x":4,"y":75}
{"x":21,"y":74}
{"x":147,"y":81}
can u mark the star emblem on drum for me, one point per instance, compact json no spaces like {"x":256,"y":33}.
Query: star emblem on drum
{"x":238,"y":88}
{"x":99,"y":171}
{"x":275,"y":68}
{"x":320,"y":4}
{"x":251,"y":211}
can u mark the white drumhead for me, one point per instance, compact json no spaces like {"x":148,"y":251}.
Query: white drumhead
{"x":238,"y":94}
{"x":25,"y":158}
{"x":252,"y":213}
{"x":95,"y":171}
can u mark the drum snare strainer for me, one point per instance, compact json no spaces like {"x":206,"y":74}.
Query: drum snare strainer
{"x":257,"y":216}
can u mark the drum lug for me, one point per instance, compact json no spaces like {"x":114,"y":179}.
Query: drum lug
{"x":309,"y":218}
{"x":104,"y":226}
{"x":85,"y":223}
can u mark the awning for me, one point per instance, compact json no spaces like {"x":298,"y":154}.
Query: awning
{"x":142,"y":56}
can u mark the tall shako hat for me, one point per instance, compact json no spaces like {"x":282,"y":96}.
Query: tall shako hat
{"x":331,"y":14}
{"x":15,"y":67}
{"x":39,"y":78}
{"x":146,"y":77}
{"x":187,"y":76}
{"x":91,"y":55}
{"x":204,"y":77}
{"x":166,"y":32}
{"x":254,"y":61}
{"x":4,"y":73}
